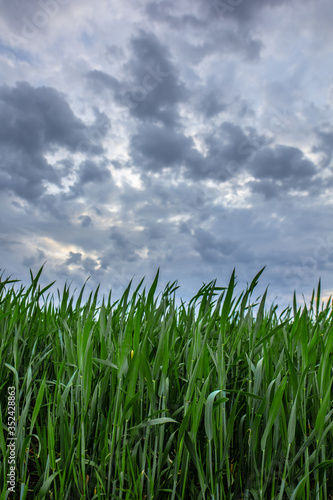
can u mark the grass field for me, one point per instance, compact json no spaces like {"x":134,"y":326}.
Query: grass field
{"x":220,"y":398}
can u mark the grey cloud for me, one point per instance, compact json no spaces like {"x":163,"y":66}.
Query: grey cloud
{"x":74,"y":258}
{"x":204,"y":12}
{"x":277,"y":170}
{"x":113,"y":52}
{"x":225,"y":40}
{"x":156,"y":231}
{"x":34,"y":259}
{"x":281,"y":169}
{"x":86,"y":264}
{"x":101,"y":125}
{"x":91,"y":171}
{"x":324,"y":145}
{"x":151,"y":89}
{"x":36,"y":121}
{"x":155,"y":87}
{"x":229,"y":148}
{"x":228,"y":143}
{"x":253,"y":48}
{"x":124,"y":244}
{"x":211,"y":105}
{"x":236,"y":41}
{"x":200,"y":69}
{"x":24,"y":173}
{"x":118,"y":238}
{"x":121,"y":249}
{"x":154,"y":148}
{"x":64,"y":167}
{"x":282,"y":162}
{"x":100,"y":81}
{"x":266,"y":187}
{"x":242,"y":11}
{"x":36,"y":12}
{"x":54,"y":205}
{"x":38,"y":118}
{"x":212,"y":249}
{"x":17,"y":11}
{"x":160,"y":12}
{"x":86,"y":221}
{"x":184,"y":229}
{"x":90,"y":265}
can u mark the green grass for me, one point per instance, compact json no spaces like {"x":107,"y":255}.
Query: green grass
{"x":219,"y":398}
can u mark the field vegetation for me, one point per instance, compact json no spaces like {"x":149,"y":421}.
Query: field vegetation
{"x":218,"y":398}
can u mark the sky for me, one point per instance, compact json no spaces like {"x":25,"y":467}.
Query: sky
{"x":193,"y":136}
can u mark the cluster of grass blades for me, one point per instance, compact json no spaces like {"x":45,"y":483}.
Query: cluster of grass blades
{"x":219,"y":398}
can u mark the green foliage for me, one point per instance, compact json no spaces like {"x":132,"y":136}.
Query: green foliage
{"x":140,"y":399}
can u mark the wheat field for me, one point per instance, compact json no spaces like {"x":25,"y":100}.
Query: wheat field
{"x":219,"y":398}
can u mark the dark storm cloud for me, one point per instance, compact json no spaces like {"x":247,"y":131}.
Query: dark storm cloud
{"x":151,"y":89}
{"x":229,"y":148}
{"x":277,"y":170}
{"x":282,"y":162}
{"x":155,"y":87}
{"x":24,"y":173}
{"x":37,"y":118}
{"x":36,"y":121}
{"x":281,"y":169}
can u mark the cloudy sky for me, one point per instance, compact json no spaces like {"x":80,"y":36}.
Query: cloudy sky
{"x":195,"y":136}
